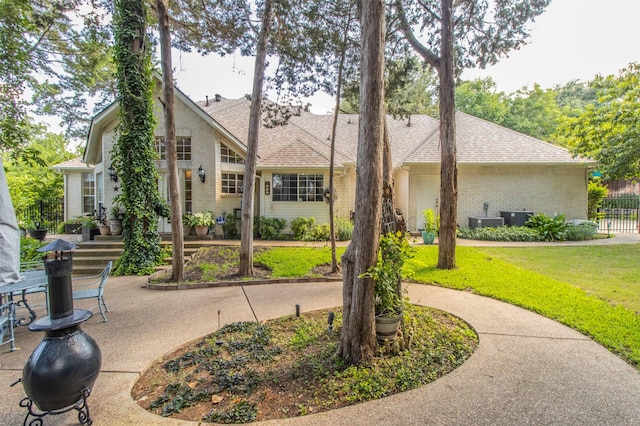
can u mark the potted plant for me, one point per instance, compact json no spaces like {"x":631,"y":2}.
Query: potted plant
{"x":115,"y":221}
{"x":202,"y":221}
{"x":431,"y":226}
{"x":387,"y":278}
{"x":89,"y":227}
{"x":188,"y":222}
{"x":38,"y":229}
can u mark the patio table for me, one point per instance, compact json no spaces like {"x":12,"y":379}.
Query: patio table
{"x":15,"y":293}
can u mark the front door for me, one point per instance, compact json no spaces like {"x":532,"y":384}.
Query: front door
{"x":428,"y":197}
{"x":164,"y":226}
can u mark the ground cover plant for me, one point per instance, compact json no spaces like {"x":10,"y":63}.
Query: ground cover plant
{"x":288,"y":367}
{"x":609,"y":323}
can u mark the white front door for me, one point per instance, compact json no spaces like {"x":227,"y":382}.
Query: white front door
{"x":428,"y":197}
{"x":164,"y":226}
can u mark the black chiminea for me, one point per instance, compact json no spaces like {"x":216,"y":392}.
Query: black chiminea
{"x":60,"y":373}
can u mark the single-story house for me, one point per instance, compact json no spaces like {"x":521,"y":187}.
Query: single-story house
{"x":499,"y":169}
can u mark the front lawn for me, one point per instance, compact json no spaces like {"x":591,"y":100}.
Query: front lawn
{"x":490,"y":272}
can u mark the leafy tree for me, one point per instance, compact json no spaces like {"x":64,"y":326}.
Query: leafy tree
{"x":609,"y":130}
{"x":134,"y":154}
{"x":58,"y":51}
{"x":451,"y":36}
{"x":533,"y":112}
{"x":574,"y":96}
{"x":29,"y":181}
{"x":481,"y":99}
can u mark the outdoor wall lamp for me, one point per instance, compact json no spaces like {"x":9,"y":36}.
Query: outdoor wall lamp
{"x":201,"y":174}
{"x":267,"y":188}
{"x":113,"y":176}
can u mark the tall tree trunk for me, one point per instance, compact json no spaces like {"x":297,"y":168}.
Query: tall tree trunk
{"x":246,"y":238}
{"x":177,"y":263}
{"x":358,"y":341}
{"x":448,"y":166}
{"x":336,"y":113}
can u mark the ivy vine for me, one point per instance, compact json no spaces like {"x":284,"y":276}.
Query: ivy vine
{"x":134,"y":155}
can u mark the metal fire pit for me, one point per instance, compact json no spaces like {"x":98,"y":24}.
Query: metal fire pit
{"x":60,"y":373}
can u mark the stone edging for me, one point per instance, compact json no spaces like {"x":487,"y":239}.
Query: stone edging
{"x":236,"y":283}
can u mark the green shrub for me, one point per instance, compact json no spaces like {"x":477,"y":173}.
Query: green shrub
{"x":344,"y":229}
{"x":580,"y":230}
{"x":551,"y":228}
{"x":320,"y":233}
{"x":302,"y":227}
{"x":502,"y":233}
{"x":270,"y":228}
{"x":28,"y":249}
{"x":596,"y":193}
{"x":230,"y":227}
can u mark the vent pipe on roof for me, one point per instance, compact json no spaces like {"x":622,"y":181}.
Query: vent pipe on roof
{"x":218,"y":98}
{"x":207,"y":103}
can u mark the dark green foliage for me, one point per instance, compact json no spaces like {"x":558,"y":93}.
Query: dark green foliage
{"x":242,"y":412}
{"x":550,"y":228}
{"x":230,"y":227}
{"x":134,"y":153}
{"x":28,"y":249}
{"x":502,"y":233}
{"x":387,"y":274}
{"x":270,"y":228}
{"x":178,"y":397}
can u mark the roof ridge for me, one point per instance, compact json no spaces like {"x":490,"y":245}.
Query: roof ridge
{"x":328,"y":145}
{"x":473,"y":117}
{"x":420,"y":144}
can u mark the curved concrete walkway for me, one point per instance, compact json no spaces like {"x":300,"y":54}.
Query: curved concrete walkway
{"x":527,"y":369}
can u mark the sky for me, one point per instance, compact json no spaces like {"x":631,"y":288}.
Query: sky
{"x":572,"y":39}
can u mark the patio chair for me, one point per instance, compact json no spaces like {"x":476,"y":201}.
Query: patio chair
{"x":93,"y":288}
{"x":36,"y":266}
{"x":6,"y":323}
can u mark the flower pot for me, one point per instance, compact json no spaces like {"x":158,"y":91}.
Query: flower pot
{"x":38,"y":234}
{"x":387,"y":328}
{"x":201,"y":231}
{"x":89,"y":233}
{"x":115,"y":226}
{"x":104,"y":229}
{"x":428,"y":237}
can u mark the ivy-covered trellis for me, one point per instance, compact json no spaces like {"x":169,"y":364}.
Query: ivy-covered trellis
{"x":134,"y":155}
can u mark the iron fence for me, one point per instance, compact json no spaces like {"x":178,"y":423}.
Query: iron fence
{"x":619,"y":213}
{"x":48,"y":212}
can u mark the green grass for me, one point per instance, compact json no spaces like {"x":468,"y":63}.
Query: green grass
{"x":608,"y":272}
{"x":295,"y":261}
{"x":614,"y":326}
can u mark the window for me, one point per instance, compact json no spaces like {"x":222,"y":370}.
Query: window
{"x":183,"y":148}
{"x":88,"y":193}
{"x":232,"y":183}
{"x":229,"y":156}
{"x":188,"y":192}
{"x":300,"y":187}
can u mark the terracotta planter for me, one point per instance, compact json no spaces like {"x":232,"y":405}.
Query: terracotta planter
{"x":104,"y":229}
{"x":201,"y":231}
{"x":387,"y":328}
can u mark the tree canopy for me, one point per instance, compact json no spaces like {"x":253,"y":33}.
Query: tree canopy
{"x":609,"y":129}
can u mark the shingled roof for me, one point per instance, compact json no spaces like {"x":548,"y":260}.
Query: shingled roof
{"x":305,"y":141}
